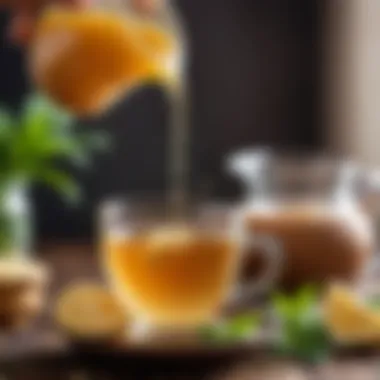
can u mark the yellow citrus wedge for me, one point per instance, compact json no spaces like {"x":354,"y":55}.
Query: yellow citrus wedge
{"x":89,"y":311}
{"x":348,"y":319}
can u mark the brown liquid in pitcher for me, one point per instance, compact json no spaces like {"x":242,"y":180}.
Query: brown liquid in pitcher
{"x":319,"y":243}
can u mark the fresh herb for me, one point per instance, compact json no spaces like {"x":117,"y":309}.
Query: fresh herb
{"x":239,"y":328}
{"x":302,"y":332}
{"x":374,"y":302}
{"x":34,"y":143}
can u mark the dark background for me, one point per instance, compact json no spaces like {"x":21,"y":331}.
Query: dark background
{"x":255,"y":78}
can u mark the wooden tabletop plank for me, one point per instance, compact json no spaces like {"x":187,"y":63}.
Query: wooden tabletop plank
{"x":42,"y":353}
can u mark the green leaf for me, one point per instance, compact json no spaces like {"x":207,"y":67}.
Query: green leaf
{"x":281,"y":305}
{"x":243,"y":325}
{"x":238,"y":328}
{"x":374,"y":302}
{"x":61,"y":183}
{"x":295,"y":304}
{"x":41,"y":136}
{"x":305,"y":339}
{"x":6,"y":123}
{"x":39,"y":113}
{"x":7,"y":126}
{"x":303,"y":333}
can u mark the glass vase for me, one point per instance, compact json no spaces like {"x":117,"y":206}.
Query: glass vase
{"x":15,"y":221}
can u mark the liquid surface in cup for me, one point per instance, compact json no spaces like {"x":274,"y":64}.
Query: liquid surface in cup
{"x":84,"y":60}
{"x":172,"y":276}
{"x":320,"y":242}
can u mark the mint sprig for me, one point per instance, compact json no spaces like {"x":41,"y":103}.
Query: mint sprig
{"x":301,"y":335}
{"x":302,"y":331}
{"x":374,"y":302}
{"x":35,"y":141}
{"x":236,"y":329}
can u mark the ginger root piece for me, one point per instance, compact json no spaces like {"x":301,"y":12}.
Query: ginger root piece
{"x":90,"y":311}
{"x":22,"y":292}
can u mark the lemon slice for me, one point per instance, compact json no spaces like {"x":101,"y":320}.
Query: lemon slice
{"x":348,"y":319}
{"x":88,"y":310}
{"x":169,"y":240}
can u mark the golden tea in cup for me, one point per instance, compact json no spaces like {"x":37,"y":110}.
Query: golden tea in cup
{"x":178,"y":273}
{"x":175,"y":274}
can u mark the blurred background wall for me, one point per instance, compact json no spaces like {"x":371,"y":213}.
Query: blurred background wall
{"x":353,"y":78}
{"x":255,"y":78}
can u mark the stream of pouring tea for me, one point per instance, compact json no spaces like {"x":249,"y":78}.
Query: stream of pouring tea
{"x":178,"y":165}
{"x":178,"y":155}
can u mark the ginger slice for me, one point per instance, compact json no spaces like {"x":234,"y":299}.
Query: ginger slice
{"x":88,"y":310}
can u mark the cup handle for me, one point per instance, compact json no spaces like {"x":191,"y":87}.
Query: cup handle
{"x":271,"y":250}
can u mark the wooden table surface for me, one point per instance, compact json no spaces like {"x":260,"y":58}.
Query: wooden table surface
{"x":41,"y":353}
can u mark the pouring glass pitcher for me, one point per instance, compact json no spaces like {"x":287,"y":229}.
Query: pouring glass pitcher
{"x":85,"y":60}
{"x":312,"y":205}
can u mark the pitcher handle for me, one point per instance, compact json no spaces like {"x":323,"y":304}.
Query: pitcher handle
{"x":272,"y":252}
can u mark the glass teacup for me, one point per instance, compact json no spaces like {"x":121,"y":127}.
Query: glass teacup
{"x":178,"y":273}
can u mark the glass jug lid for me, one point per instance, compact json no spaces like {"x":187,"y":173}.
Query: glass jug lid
{"x":269,"y":178}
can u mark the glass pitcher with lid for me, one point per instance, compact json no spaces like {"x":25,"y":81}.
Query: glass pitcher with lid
{"x":313,"y":206}
{"x":86,"y":59}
